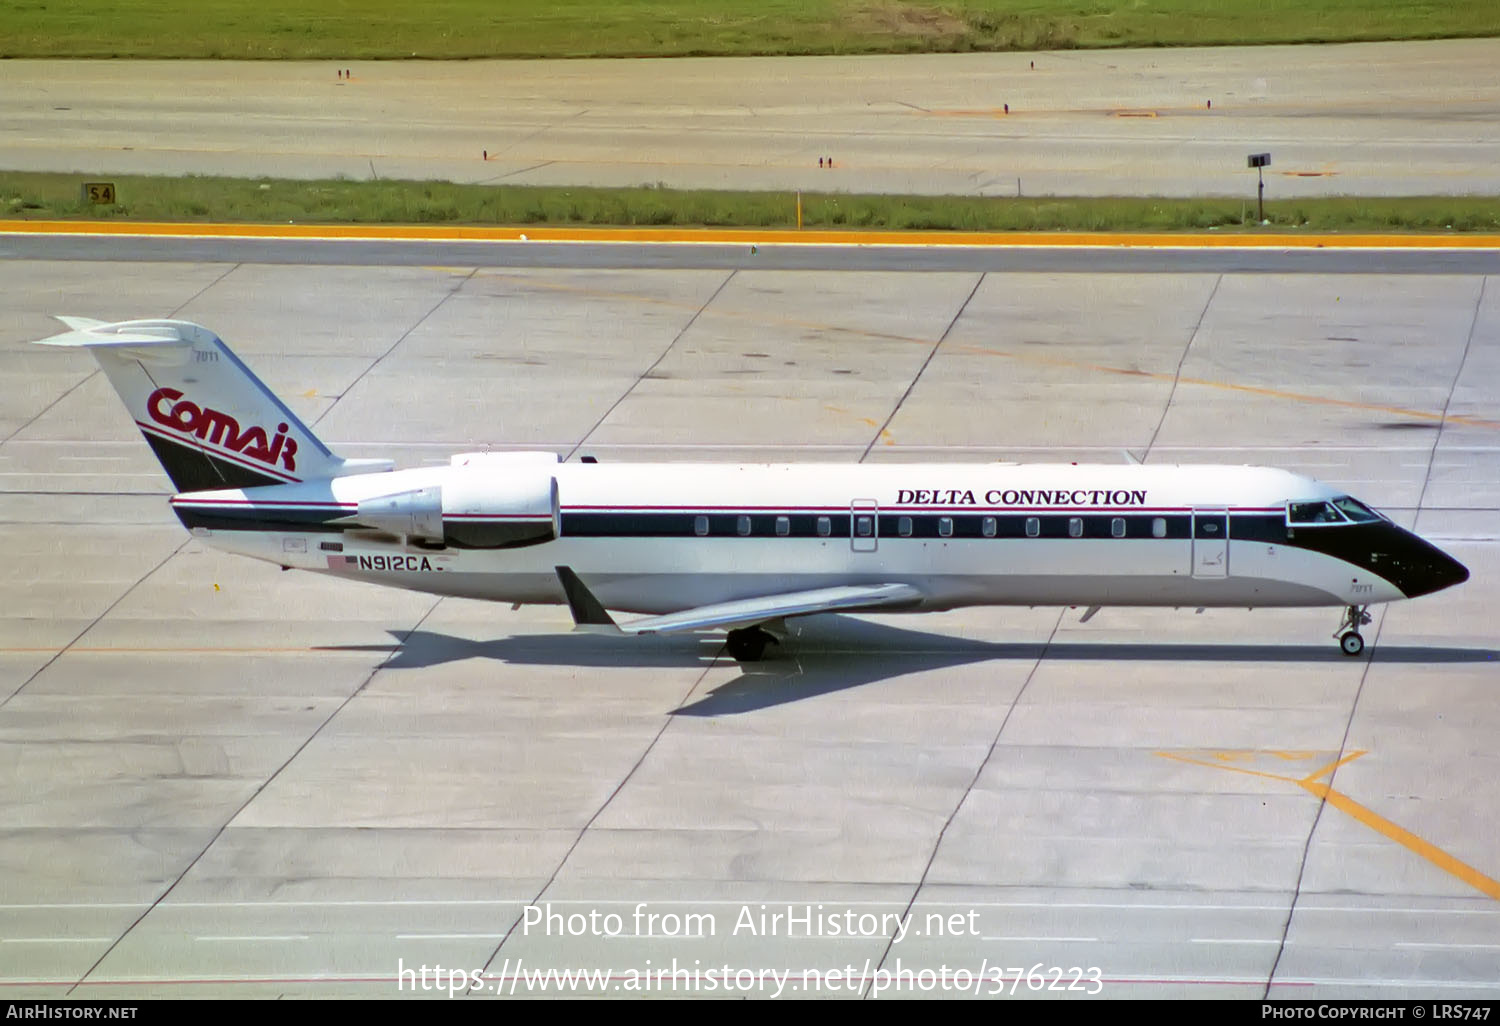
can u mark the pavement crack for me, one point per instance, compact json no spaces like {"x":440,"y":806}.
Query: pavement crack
{"x":518,"y":171}
{"x":650,"y":746}
{"x":645,"y":374}
{"x":958,"y":805}
{"x":1437,"y":436}
{"x":1177,"y":374}
{"x":95,"y":622}
{"x":549,"y":126}
{"x":1312,"y":832}
{"x":404,"y":336}
{"x":244,"y":805}
{"x":881,"y":430}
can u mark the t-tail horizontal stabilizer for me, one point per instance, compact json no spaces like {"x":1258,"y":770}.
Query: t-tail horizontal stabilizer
{"x":211,"y":422}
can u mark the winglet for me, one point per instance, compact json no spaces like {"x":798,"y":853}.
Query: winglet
{"x":588,"y":613}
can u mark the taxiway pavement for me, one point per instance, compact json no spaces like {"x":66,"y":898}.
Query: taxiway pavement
{"x":220,"y":779}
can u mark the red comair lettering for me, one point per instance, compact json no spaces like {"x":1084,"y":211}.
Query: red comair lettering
{"x":168,"y":408}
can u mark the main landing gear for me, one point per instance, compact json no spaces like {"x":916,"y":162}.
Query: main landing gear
{"x":1355,"y":617}
{"x":748,"y":644}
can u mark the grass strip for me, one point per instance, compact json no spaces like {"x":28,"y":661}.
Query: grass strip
{"x":345,"y":30}
{"x":39,"y":196}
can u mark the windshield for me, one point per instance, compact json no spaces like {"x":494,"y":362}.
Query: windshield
{"x":1313,"y":513}
{"x":1356,"y":510}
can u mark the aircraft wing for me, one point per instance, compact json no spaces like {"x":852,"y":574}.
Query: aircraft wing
{"x":589,"y":614}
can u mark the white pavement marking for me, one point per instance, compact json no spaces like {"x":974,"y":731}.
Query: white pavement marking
{"x":248,"y":937}
{"x":1067,"y":940}
{"x":1235,"y":940}
{"x":55,"y":940}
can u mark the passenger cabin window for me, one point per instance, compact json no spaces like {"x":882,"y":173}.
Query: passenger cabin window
{"x":1117,"y":527}
{"x":700,"y":526}
{"x":864,"y":526}
{"x":742,"y":526}
{"x":783,"y":526}
{"x":1356,"y":510}
{"x":1303,"y":513}
{"x":1075,"y":527}
{"x":903,"y":526}
{"x":1033,"y":527}
{"x":987,"y":527}
{"x":945,"y":527}
{"x":825,"y":527}
{"x":1158,"y":527}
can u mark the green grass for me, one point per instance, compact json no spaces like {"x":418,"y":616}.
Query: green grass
{"x":346,"y":30}
{"x":277,"y":201}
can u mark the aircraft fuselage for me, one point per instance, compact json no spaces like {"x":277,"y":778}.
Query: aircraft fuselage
{"x":656,"y":538}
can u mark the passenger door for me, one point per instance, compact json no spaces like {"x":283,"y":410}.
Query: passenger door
{"x":1210,"y":543}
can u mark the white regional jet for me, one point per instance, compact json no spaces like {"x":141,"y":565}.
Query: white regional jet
{"x":742,"y":547}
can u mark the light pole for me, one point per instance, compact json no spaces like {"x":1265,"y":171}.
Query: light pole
{"x":1260,"y":161}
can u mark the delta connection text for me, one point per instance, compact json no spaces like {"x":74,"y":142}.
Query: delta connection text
{"x":788,"y":921}
{"x":1022,"y":497}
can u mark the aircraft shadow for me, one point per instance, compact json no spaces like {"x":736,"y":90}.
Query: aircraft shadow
{"x":832,"y":653}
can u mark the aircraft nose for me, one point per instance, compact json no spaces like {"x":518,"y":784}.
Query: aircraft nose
{"x":1453,"y":572}
{"x":1433,"y":571}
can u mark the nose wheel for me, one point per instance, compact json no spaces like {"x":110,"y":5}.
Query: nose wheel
{"x":1350,"y":641}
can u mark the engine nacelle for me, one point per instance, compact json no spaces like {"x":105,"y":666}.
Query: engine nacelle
{"x":485,"y":501}
{"x":416,"y":514}
{"x":500,"y":508}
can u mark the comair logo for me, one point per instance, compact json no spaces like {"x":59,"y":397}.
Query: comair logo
{"x":221,"y":429}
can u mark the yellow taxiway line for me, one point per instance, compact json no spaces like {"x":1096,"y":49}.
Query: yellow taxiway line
{"x":746,"y":236}
{"x":1419,"y":846}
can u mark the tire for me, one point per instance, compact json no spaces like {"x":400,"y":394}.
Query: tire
{"x":748,"y":645}
{"x":1352,"y":644}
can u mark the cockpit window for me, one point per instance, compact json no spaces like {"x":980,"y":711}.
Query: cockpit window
{"x":1313,"y":513}
{"x":1356,"y":510}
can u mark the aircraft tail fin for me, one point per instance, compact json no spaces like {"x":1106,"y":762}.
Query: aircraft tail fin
{"x":211,"y":422}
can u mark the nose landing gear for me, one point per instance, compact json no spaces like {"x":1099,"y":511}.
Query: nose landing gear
{"x":1350,"y":642}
